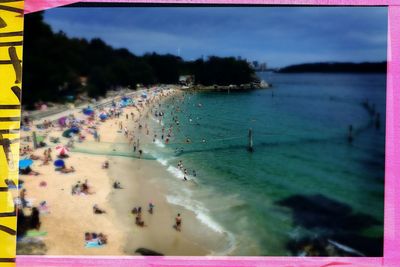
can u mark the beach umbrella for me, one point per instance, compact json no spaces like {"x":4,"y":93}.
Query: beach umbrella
{"x":59,"y":163}
{"x":144,"y":95}
{"x":62,"y":150}
{"x":75,"y":129}
{"x":88,"y":111}
{"x":103,"y":116}
{"x":25,"y":163}
{"x":67,"y":133}
{"x":62,"y":121}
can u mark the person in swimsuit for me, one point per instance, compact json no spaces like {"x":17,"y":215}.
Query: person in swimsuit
{"x":178,"y":222}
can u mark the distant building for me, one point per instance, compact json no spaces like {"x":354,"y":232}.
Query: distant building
{"x":187,"y":80}
{"x":255,"y":65}
{"x":263,"y":67}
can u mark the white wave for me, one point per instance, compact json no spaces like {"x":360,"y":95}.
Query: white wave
{"x":175,"y":172}
{"x":164,"y":162}
{"x":157,"y":121}
{"x":154,"y":119}
{"x":159,"y":143}
{"x":205,"y":219}
{"x":202,"y":215}
{"x":198,"y":209}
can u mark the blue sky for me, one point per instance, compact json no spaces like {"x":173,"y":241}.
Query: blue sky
{"x":279,"y":36}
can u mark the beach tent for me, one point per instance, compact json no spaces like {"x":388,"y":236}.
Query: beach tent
{"x":59,"y":163}
{"x":62,"y":150}
{"x":67,"y":133}
{"x":25,"y":163}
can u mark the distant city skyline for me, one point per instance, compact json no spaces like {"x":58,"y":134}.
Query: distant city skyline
{"x":277,"y":36}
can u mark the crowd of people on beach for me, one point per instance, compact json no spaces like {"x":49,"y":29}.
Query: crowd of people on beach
{"x":75,"y":129}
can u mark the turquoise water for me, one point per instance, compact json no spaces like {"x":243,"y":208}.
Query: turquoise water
{"x":304,"y":180}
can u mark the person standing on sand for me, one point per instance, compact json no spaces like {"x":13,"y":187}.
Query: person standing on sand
{"x":151,"y":207}
{"x":178,"y":222}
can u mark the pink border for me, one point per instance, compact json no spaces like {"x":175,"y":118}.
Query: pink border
{"x":392,"y":185}
{"x":36,"y":5}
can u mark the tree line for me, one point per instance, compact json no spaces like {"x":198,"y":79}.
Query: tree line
{"x":54,"y":64}
{"x":337,"y":67}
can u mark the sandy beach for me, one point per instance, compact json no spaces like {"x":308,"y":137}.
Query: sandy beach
{"x":69,"y":216}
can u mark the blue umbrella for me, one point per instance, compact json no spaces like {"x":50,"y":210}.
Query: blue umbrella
{"x":75,"y":129}
{"x":25,"y":163}
{"x":59,"y":163}
{"x":122,"y":103}
{"x":88,"y":111}
{"x":103,"y":116}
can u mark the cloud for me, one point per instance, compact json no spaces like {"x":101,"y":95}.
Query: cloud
{"x":278,"y":35}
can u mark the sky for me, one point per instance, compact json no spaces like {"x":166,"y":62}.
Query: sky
{"x":279,"y":36}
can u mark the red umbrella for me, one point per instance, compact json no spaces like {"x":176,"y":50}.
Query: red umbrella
{"x":62,"y":150}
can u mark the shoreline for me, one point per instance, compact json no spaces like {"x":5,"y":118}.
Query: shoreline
{"x":149,"y":176}
{"x":142,"y":185}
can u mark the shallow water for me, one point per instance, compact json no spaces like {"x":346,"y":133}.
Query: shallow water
{"x":303,"y":173}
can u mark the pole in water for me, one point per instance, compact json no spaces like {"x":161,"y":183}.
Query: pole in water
{"x":250,"y":146}
{"x":378,"y":121}
{"x":350,"y":135}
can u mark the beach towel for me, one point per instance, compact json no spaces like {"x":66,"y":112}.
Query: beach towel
{"x":35,"y":233}
{"x":93,"y":244}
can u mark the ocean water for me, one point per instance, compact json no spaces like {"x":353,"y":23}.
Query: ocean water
{"x":303,"y":181}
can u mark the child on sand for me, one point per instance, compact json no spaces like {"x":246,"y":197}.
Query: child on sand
{"x":105,"y":165}
{"x":151,"y":207}
{"x":178,"y":222}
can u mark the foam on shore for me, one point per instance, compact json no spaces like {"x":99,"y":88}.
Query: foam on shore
{"x":202,"y":214}
{"x":159,"y":143}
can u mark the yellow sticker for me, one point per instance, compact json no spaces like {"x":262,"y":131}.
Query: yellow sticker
{"x":11,"y":37}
